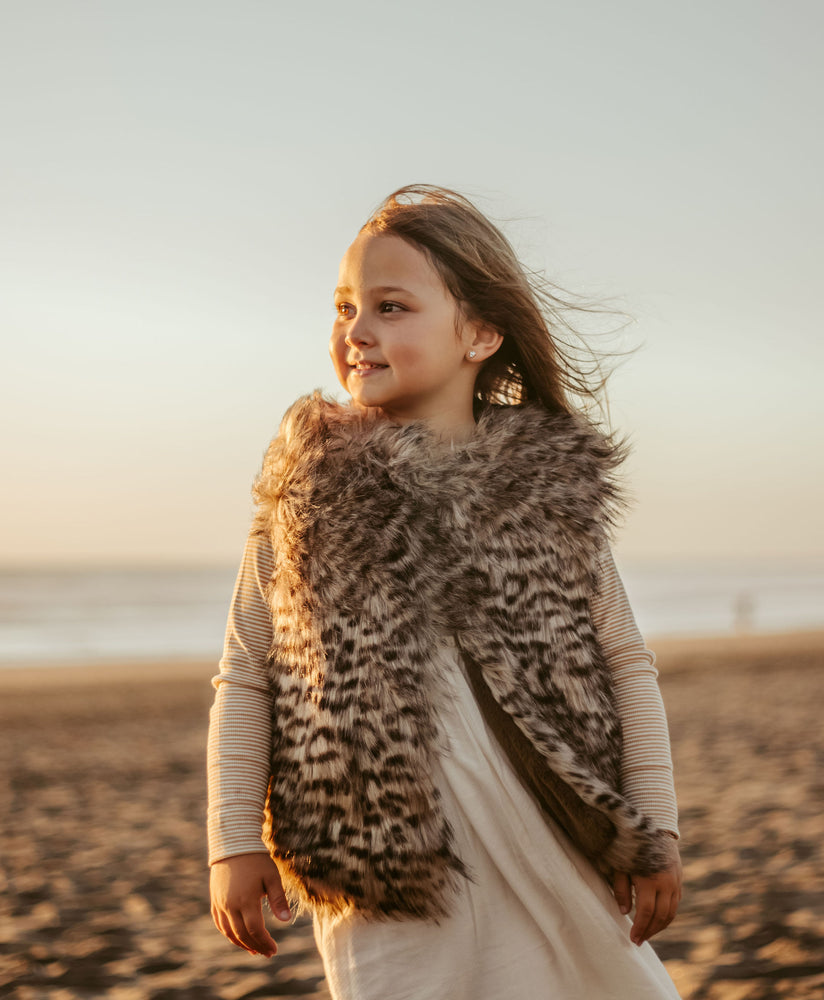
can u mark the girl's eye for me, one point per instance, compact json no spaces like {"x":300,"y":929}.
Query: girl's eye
{"x":390,"y":307}
{"x":343,"y":309}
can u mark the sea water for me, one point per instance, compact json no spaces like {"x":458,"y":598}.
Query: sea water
{"x":99,"y":615}
{"x":112,"y":615}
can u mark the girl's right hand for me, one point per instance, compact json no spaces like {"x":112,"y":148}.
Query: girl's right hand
{"x":237,"y":886}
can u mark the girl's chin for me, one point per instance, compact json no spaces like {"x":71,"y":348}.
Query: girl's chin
{"x":368,"y":389}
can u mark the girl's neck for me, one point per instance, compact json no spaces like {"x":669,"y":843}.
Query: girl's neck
{"x":452,"y":426}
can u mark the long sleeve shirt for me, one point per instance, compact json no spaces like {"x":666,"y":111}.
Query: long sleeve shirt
{"x":240,"y":730}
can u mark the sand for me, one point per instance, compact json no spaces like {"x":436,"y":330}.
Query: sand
{"x":104,"y":884}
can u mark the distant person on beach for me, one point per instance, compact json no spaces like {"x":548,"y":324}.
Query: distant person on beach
{"x":432,"y":682}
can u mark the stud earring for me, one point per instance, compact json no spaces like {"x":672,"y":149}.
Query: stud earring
{"x":472,"y":354}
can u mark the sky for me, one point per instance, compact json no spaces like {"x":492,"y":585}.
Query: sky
{"x":181,"y":178}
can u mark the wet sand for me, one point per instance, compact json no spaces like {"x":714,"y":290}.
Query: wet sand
{"x":103,"y":883}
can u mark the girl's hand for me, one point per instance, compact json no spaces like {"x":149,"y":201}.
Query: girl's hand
{"x":656,"y":898}
{"x":237,"y":886}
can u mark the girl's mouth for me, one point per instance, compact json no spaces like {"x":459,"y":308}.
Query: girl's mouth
{"x":364,"y":368}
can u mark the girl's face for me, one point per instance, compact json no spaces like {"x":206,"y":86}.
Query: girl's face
{"x":399,"y":341}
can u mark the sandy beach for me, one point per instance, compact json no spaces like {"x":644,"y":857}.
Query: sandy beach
{"x":103,"y":882}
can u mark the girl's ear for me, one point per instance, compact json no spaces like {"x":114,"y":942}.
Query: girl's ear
{"x":483,"y":341}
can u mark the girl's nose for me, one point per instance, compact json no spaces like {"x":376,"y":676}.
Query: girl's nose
{"x":357,"y":334}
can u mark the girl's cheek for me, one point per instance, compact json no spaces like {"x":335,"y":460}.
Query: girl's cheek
{"x":341,"y":369}
{"x":337,"y":351}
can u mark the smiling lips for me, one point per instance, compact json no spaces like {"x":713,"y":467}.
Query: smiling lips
{"x":366,"y":367}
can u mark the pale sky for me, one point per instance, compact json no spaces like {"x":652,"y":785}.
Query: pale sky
{"x":180,"y":179}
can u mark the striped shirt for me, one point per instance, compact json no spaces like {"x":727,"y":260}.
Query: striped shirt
{"x":240,"y":729}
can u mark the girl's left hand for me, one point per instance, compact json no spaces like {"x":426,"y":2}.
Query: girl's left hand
{"x":656,"y":898}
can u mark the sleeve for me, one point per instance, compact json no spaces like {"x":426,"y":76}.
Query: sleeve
{"x":240,"y":721}
{"x":647,"y":760}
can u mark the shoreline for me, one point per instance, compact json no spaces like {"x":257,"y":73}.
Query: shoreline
{"x":673,"y":653}
{"x":114,"y":671}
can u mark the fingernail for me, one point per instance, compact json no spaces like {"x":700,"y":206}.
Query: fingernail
{"x":284,"y":915}
{"x":624,"y":908}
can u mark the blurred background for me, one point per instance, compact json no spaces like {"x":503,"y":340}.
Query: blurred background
{"x":179,"y":182}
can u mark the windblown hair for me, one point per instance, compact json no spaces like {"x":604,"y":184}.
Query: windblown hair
{"x":542,"y":357}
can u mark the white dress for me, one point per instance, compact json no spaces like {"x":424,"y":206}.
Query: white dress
{"x":537,"y":921}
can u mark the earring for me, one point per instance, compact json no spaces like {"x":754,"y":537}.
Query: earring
{"x":472,"y":354}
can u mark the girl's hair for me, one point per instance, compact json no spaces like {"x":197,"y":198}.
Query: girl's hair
{"x":542,"y":357}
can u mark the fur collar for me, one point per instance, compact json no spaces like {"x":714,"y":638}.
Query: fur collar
{"x":385,"y":540}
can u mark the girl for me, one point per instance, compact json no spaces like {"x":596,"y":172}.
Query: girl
{"x":432,"y":678}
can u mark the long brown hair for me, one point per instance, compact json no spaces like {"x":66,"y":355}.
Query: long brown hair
{"x":542,"y":358}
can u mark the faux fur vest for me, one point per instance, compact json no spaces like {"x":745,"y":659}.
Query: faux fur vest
{"x":386,"y":540}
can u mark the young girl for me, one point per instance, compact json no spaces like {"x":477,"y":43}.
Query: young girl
{"x":432,"y":678}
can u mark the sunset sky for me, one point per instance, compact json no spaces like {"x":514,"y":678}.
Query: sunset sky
{"x":180,"y":179}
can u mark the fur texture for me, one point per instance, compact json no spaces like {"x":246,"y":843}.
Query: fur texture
{"x":384,"y":540}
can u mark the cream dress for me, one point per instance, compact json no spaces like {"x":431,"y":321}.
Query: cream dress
{"x":537,"y":921}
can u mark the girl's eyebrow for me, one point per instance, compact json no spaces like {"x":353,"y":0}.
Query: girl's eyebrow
{"x":380,"y":290}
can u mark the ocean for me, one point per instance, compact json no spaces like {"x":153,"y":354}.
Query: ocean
{"x":65,"y":617}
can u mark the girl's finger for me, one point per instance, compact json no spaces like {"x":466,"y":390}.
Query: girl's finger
{"x":645,"y":903}
{"x":241,"y":932}
{"x":660,"y":917}
{"x":225,"y":927}
{"x":673,"y":909}
{"x":666,"y":906}
{"x":277,"y":901}
{"x":256,"y":933}
{"x":622,"y":888}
